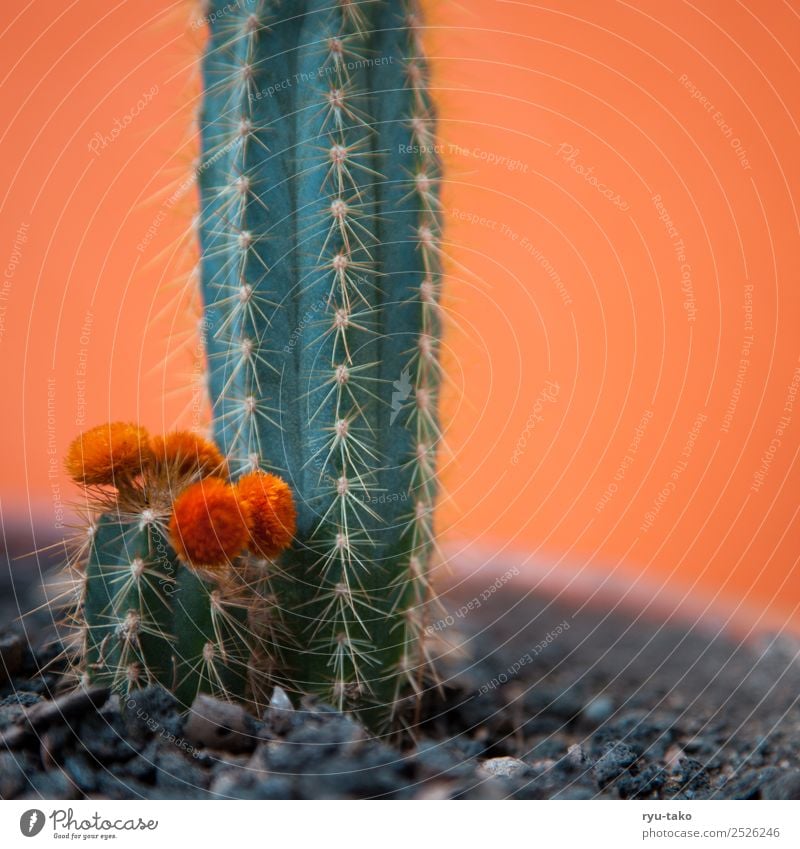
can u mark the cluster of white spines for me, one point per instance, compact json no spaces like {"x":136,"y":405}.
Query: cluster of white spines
{"x":347,"y":453}
{"x":240,"y":402}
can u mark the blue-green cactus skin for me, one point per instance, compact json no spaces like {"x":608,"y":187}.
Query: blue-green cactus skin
{"x":148,"y":619}
{"x":320,"y":275}
{"x":126,"y":608}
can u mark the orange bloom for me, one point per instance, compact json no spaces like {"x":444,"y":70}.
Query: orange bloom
{"x":108,"y":454}
{"x":209,"y":525}
{"x":185,"y":453}
{"x":273,"y":517}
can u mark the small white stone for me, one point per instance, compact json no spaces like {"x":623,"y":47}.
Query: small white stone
{"x":575,"y":755}
{"x":501,"y":767}
{"x":279,"y":713}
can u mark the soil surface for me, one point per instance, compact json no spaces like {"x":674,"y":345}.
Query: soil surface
{"x":541,"y":699}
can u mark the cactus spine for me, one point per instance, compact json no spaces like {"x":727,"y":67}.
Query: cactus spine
{"x":320,"y":274}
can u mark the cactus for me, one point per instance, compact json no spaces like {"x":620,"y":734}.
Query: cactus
{"x":149,"y":612}
{"x":320,"y":271}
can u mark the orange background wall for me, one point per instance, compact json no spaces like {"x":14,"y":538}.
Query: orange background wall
{"x":622,"y":246}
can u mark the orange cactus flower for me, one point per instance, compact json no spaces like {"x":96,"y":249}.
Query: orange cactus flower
{"x":110,"y":453}
{"x":182,"y":452}
{"x":273,"y":516}
{"x":209,"y":525}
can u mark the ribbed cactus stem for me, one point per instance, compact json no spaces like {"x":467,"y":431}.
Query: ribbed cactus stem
{"x":148,"y":619}
{"x":212,"y":640}
{"x":130,"y":576}
{"x":320,"y":275}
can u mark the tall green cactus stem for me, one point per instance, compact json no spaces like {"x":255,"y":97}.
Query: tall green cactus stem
{"x":320,"y":275}
{"x":148,"y":619}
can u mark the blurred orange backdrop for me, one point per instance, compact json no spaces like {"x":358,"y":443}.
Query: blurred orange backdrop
{"x":622,"y":232}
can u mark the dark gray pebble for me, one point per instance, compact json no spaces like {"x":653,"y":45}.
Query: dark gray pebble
{"x":65,"y":708}
{"x":616,"y":759}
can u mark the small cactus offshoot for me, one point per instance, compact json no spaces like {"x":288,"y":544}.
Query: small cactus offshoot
{"x":165,"y":589}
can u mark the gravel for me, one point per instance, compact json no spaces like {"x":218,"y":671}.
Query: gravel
{"x":611,"y":708}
